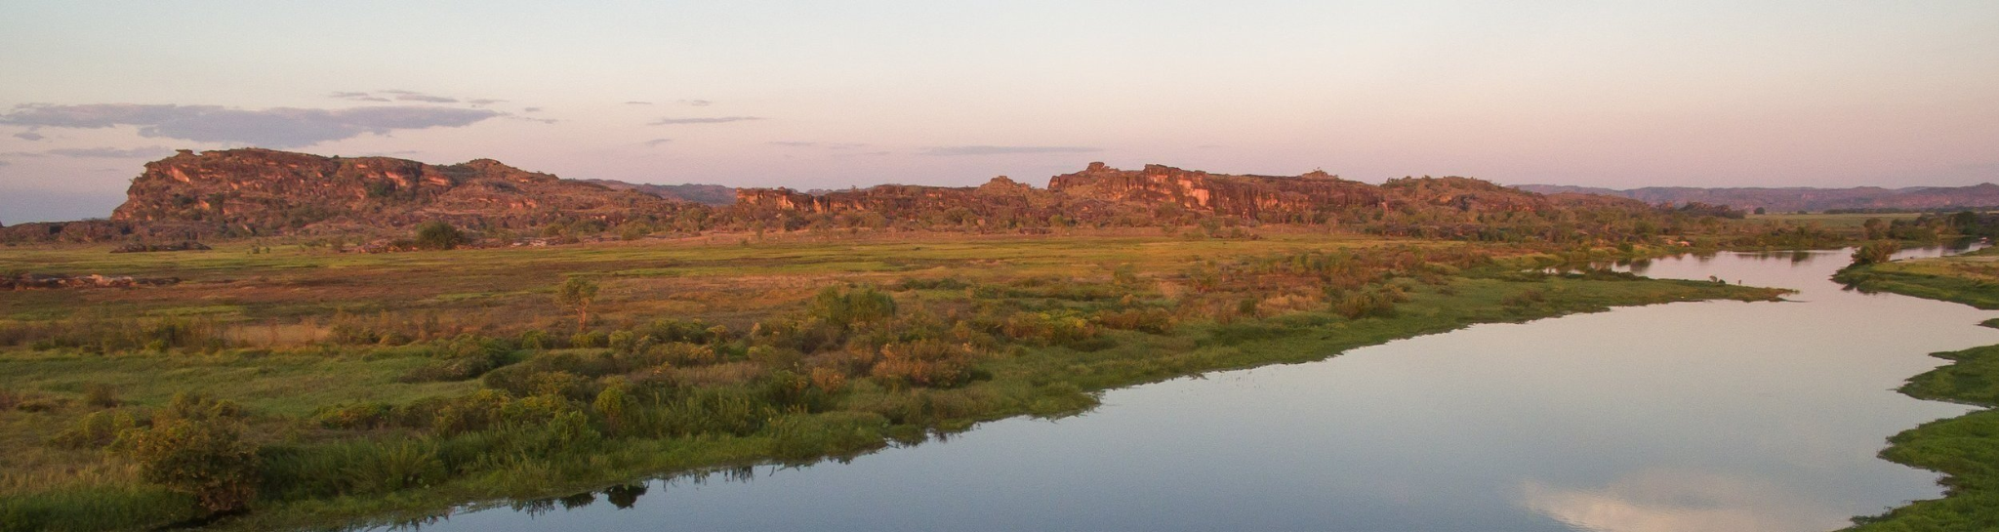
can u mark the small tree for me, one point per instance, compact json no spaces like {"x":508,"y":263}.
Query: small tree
{"x":577,"y":292}
{"x":1876,"y":252}
{"x":439,"y":235}
{"x":1875,"y":228}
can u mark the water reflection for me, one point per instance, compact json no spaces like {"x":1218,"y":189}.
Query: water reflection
{"x":1711,"y":416}
{"x":1657,"y":500}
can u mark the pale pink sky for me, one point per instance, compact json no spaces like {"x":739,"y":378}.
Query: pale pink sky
{"x":836,"y":94}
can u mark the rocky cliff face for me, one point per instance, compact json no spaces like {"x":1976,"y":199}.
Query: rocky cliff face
{"x":1101,"y":195}
{"x":1259,"y":197}
{"x":1001,"y":203}
{"x":259,"y":191}
{"x":248,"y":192}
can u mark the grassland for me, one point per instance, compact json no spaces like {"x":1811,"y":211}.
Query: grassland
{"x":1964,"y":448}
{"x":384,"y":388}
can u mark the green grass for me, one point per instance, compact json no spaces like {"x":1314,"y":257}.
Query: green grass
{"x":276,"y":357}
{"x":1970,"y":278}
{"x":1965,"y":448}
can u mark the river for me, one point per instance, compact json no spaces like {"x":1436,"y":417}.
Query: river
{"x":1711,"y":416}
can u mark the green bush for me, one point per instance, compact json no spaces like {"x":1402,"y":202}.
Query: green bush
{"x":439,"y":235}
{"x":852,"y":307}
{"x":96,"y":429}
{"x":203,"y":457}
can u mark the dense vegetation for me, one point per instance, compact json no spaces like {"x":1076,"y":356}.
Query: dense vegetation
{"x":301,"y":387}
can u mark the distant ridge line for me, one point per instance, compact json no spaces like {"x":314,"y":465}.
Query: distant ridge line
{"x":1791,"y":199}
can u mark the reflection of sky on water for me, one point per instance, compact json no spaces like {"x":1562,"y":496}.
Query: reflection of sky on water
{"x":1698,"y":416}
{"x":1659,"y":500}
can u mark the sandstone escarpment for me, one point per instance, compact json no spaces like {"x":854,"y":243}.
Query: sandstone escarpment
{"x":999,"y":204}
{"x":257,"y":191}
{"x":1257,"y":197}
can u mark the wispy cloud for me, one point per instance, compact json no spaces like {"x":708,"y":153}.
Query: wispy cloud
{"x":147,"y":152}
{"x":825,"y":145}
{"x":29,"y":136}
{"x":654,"y":143}
{"x":482,"y":102}
{"x":414,"y":96}
{"x":704,"y":120}
{"x":4,"y":162}
{"x":636,"y":102}
{"x":530,"y":109}
{"x":282,"y":127}
{"x":357,"y":96}
{"x":952,"y":151}
{"x":697,"y":103}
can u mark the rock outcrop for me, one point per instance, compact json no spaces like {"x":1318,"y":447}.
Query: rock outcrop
{"x":1265,"y":198}
{"x":258,"y":191}
{"x":255,"y":192}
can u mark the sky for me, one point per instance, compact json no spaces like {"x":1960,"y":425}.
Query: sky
{"x":856,"y":93}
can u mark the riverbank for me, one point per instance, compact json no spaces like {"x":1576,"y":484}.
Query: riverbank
{"x":1970,"y":278}
{"x":1965,"y":448}
{"x":374,"y":390}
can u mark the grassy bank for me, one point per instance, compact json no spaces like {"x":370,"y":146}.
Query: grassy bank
{"x":386,"y":388}
{"x":1964,"y":448}
{"x":1970,"y":278}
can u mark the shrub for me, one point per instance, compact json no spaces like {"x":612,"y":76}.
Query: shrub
{"x":451,"y":369}
{"x":1366,"y":304}
{"x":1152,"y":320}
{"x":355,"y":416}
{"x":681,"y":354}
{"x":615,"y":405}
{"x":851,"y":307}
{"x":439,"y":235}
{"x":100,"y":395}
{"x":829,"y":380}
{"x":924,"y":363}
{"x":476,"y":411}
{"x":96,"y":429}
{"x":1045,"y":329}
{"x":203,"y":457}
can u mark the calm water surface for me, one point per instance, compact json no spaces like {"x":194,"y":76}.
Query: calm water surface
{"x":1711,"y":416}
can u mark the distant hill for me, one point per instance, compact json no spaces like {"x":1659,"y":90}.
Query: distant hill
{"x":1802,"y":198}
{"x":713,"y":195}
